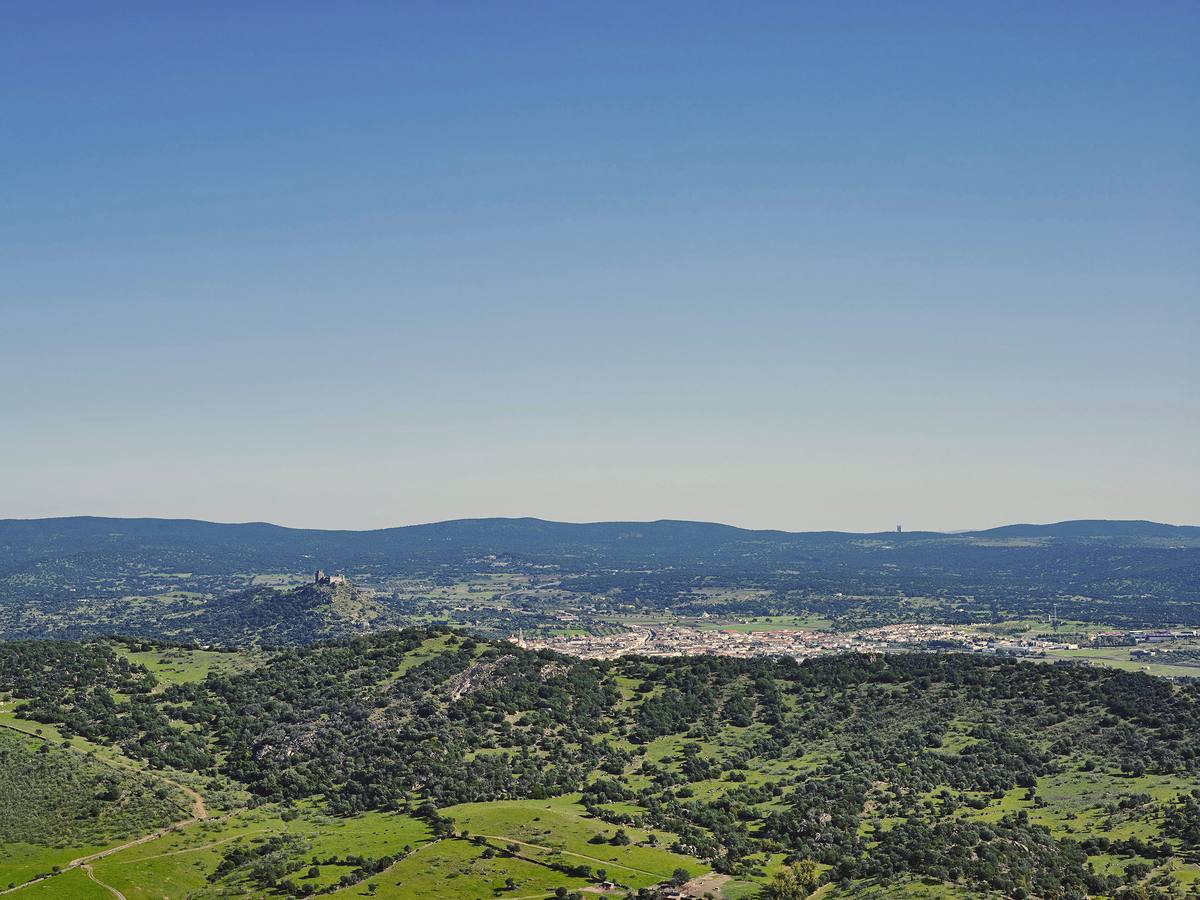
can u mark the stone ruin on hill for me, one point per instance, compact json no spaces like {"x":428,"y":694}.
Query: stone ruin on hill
{"x":322,"y":578}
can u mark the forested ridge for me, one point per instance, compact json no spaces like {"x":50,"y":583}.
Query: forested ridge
{"x":869,"y":768}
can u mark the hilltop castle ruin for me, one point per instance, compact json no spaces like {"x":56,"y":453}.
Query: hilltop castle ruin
{"x":322,"y":578}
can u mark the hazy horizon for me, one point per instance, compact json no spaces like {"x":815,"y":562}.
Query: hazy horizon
{"x":782,"y":266}
{"x":619,"y":521}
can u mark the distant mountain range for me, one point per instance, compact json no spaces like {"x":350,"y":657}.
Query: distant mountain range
{"x":1091,"y":528}
{"x":216,"y":548}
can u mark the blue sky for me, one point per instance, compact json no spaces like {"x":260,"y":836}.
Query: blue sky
{"x":774,"y":264}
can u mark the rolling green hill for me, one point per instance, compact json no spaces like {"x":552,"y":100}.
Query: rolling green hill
{"x":425,"y":762}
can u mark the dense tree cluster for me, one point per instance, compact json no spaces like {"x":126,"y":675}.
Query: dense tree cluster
{"x":35,"y":669}
{"x":1182,"y":821}
{"x":73,"y":685}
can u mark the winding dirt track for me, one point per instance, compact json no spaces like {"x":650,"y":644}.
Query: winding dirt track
{"x":108,"y":887}
{"x":199,"y":814}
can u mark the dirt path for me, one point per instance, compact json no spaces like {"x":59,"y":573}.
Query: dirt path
{"x":199,"y":813}
{"x":108,"y":887}
{"x":199,"y":810}
{"x":24,"y":884}
{"x":195,"y":849}
{"x":144,"y":839}
{"x":603,"y":862}
{"x":84,"y":862}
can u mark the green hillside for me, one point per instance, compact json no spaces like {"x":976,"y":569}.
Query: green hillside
{"x":423,"y":762}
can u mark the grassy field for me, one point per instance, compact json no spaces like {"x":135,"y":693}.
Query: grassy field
{"x":1119,"y":658}
{"x":461,"y":870}
{"x":427,"y":651}
{"x":179,"y":864}
{"x":20,"y":862}
{"x":179,"y":665}
{"x":72,"y":885}
{"x":558,"y":830}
